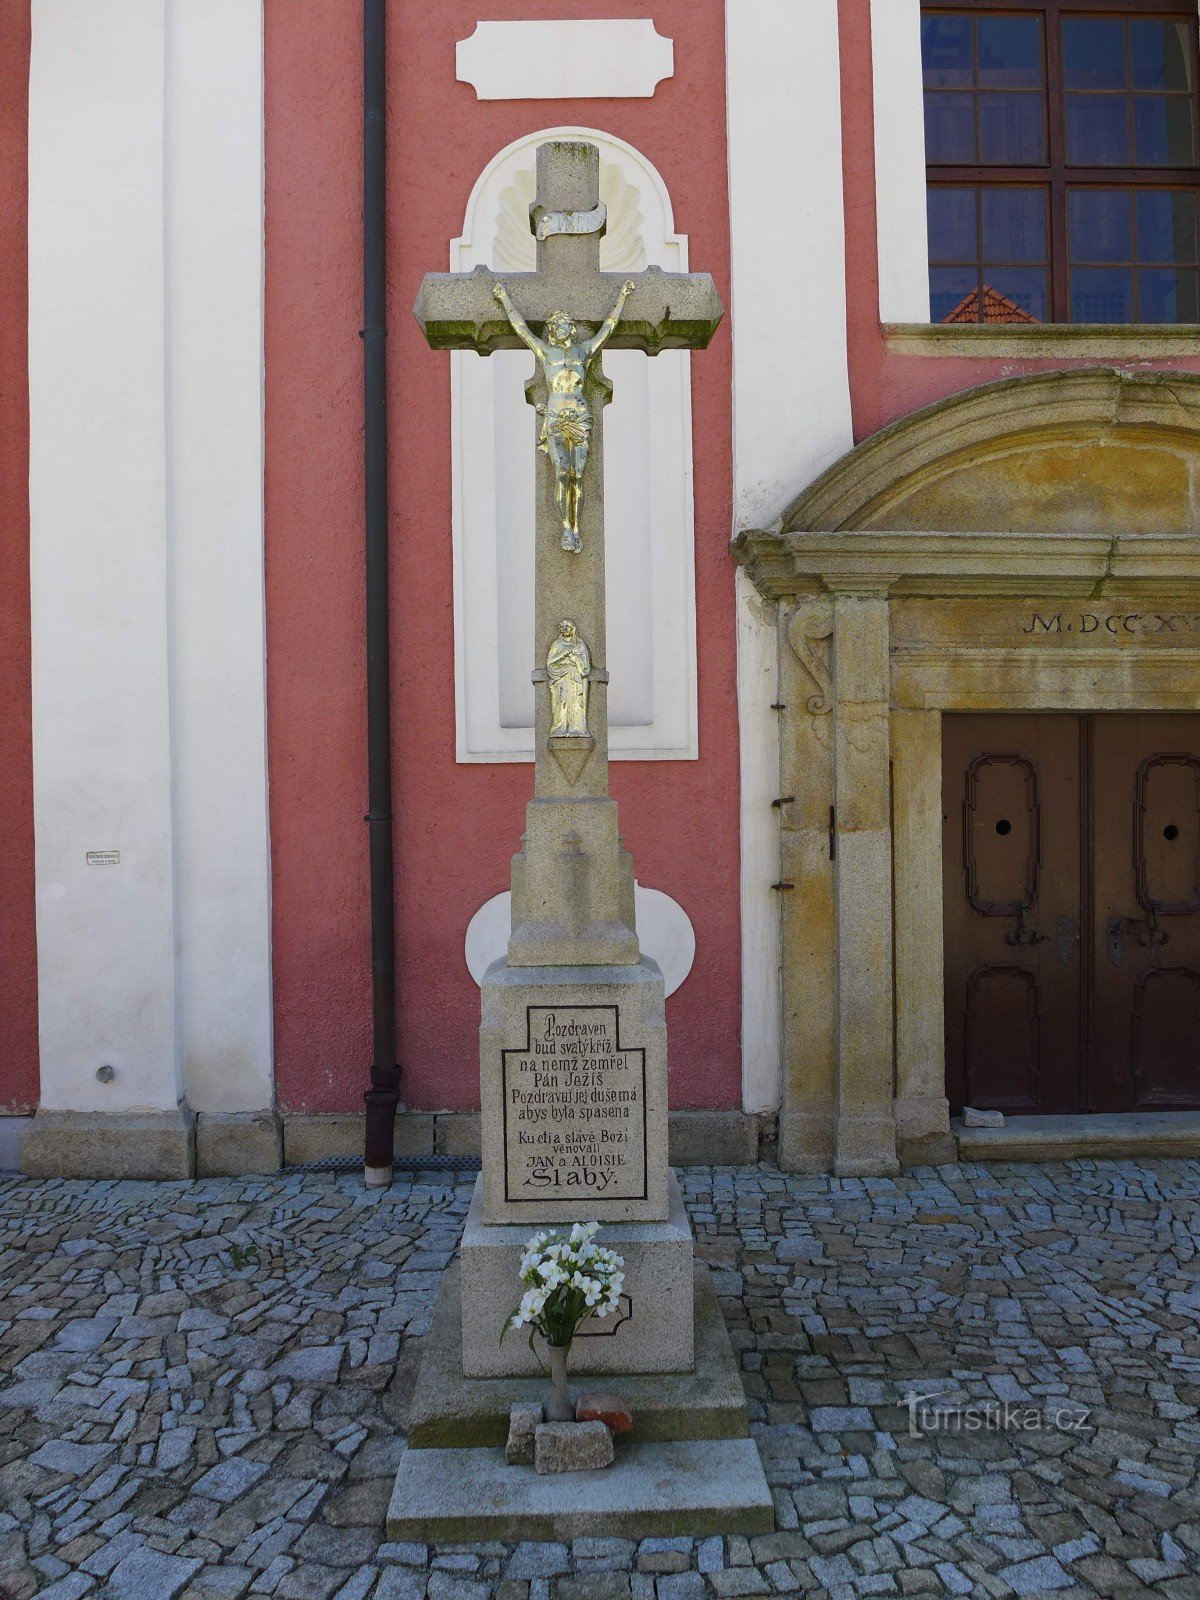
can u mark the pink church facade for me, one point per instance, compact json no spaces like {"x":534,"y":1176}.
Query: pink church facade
{"x":184,"y":884}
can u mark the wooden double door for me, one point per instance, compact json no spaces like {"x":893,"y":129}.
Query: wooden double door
{"x":1072,"y":912}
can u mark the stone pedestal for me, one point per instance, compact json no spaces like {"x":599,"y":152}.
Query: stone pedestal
{"x":573,"y":1087}
{"x":652,"y":1332}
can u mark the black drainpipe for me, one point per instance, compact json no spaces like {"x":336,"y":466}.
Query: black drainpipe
{"x":382,"y":1097}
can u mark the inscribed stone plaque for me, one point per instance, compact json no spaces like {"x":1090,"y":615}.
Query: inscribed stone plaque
{"x":574,"y":1108}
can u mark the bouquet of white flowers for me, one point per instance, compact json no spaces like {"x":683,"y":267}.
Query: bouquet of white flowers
{"x":567,"y":1277}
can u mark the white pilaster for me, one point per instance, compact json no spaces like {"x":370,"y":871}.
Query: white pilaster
{"x":145,"y":358}
{"x":791,"y":398}
{"x":215,"y":508}
{"x":900,"y":205}
{"x":98,"y":556}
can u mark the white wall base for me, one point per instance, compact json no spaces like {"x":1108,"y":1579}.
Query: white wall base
{"x":90,"y":1144}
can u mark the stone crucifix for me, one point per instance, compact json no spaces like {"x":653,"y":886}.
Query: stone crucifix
{"x":572,"y":882}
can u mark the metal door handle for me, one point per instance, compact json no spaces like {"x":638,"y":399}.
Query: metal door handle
{"x":1144,"y":929}
{"x":1024,"y":935}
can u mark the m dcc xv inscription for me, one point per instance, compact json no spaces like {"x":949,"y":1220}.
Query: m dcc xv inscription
{"x":574,"y":1108}
{"x":1143,"y":623}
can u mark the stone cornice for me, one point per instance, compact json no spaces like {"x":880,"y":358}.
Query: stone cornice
{"x":1046,"y":340}
{"x":933,"y":565}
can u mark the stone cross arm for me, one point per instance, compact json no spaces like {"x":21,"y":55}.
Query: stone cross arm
{"x":667,"y":310}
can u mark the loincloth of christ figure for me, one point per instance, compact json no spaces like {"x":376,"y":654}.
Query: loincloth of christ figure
{"x":566,"y":432}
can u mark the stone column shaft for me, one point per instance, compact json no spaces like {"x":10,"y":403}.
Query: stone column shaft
{"x":809,"y":923}
{"x":922,"y":1112}
{"x":865,"y":1132}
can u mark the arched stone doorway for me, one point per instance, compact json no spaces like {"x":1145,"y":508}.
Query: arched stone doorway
{"x":940,"y":569}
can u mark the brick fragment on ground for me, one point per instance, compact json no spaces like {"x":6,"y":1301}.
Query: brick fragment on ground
{"x":607,"y":1407}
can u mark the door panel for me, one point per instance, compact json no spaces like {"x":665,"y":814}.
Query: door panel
{"x":1011,"y":875}
{"x":1003,"y":1038}
{"x":1146,"y":929}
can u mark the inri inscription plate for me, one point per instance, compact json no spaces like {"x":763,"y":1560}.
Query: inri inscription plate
{"x":574,"y":1108}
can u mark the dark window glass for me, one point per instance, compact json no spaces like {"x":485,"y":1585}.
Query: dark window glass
{"x":1133,"y":255}
{"x":1100,"y":225}
{"x":1160,"y":54}
{"x":1023,"y":287}
{"x":1093,"y":53}
{"x":950,"y":288}
{"x":1167,"y":295}
{"x":1010,"y":53}
{"x":1166,"y":224}
{"x":950,"y":128}
{"x":1077,"y":120}
{"x":1105,"y":59}
{"x":948,"y":52}
{"x":1012,"y":130}
{"x":988,"y":254}
{"x":1102,"y":294}
{"x":1097,"y":130}
{"x":1014,"y":225}
{"x":953,"y":225}
{"x":1163,"y":134}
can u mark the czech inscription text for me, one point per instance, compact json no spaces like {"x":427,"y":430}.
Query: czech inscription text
{"x":574,"y":1108}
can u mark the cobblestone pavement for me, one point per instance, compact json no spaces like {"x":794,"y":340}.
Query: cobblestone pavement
{"x":204,"y":1388}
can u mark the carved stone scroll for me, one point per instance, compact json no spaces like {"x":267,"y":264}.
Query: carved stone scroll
{"x":810,"y":634}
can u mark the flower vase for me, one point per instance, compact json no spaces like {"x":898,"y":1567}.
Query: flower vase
{"x":559,"y":1407}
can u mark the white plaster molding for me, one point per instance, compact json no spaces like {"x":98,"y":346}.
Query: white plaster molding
{"x":900,"y":190}
{"x":664,"y":930}
{"x":145,"y":372}
{"x":607,"y":58}
{"x":771,"y":46}
{"x":647,"y":486}
{"x":215,"y":511}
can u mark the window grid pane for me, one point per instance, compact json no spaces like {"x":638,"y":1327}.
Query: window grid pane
{"x":1123,"y":97}
{"x":989,"y":254}
{"x":1147,"y":239}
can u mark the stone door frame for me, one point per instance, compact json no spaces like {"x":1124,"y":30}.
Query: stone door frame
{"x":879,"y":634}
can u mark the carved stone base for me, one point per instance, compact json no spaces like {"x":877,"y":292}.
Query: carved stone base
{"x":652,"y":1332}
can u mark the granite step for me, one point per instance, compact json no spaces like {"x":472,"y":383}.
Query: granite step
{"x":1101,"y":1136}
{"x":687,"y":1486}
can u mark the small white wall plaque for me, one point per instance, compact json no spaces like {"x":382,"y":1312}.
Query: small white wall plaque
{"x":602,"y":59}
{"x":103,"y":858}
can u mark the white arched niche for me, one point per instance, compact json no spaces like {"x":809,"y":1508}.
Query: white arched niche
{"x":647,"y":485}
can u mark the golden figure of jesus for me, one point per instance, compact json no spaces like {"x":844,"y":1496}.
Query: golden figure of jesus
{"x":567,"y":414}
{"x":567,"y":666}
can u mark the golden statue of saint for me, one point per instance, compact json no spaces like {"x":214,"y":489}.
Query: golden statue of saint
{"x":566,"y":434}
{"x":567,"y":667}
